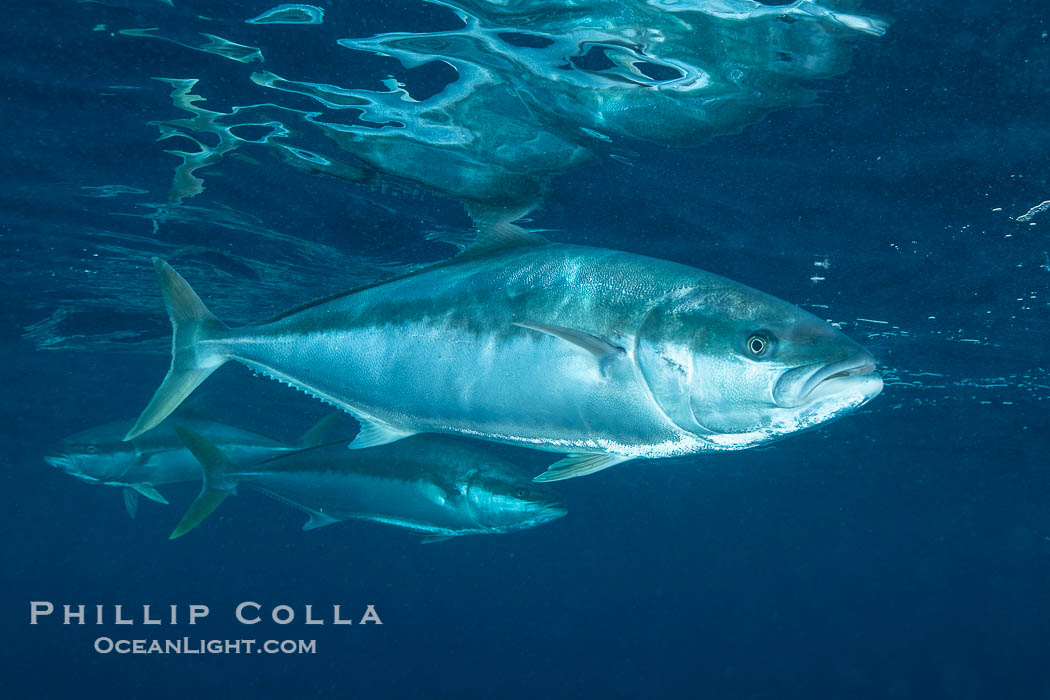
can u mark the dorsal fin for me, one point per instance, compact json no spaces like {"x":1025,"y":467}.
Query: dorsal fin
{"x":505,"y":235}
{"x":193,"y":409}
{"x":494,"y":233}
{"x":315,"y":435}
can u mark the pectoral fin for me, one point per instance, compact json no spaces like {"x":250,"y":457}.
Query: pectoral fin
{"x":131,"y":502}
{"x":435,"y":493}
{"x":318,"y":519}
{"x":431,"y":539}
{"x":375,"y":432}
{"x":580,"y":465}
{"x":603,"y":350}
{"x":150,"y":493}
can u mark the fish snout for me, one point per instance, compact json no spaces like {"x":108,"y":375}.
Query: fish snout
{"x":553,"y":510}
{"x":799,"y":385}
{"x":59,"y":461}
{"x":544,"y":509}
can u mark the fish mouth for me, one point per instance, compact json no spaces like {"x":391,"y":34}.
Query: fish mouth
{"x":555,"y":512}
{"x":541,"y":514}
{"x":59,"y":462}
{"x":551,"y":511}
{"x":809,"y":383}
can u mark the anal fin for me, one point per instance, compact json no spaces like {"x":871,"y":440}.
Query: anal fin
{"x":375,"y":432}
{"x":575,"y":465}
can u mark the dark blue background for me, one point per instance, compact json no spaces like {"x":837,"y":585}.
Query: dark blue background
{"x":902,"y":552}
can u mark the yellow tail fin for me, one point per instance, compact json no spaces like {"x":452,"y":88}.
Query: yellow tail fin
{"x":216,"y":485}
{"x":194,"y":352}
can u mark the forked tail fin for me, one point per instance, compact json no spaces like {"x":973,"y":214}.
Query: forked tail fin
{"x":193,"y":354}
{"x":216,"y":486}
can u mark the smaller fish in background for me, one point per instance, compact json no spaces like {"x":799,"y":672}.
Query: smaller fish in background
{"x":99,"y":455}
{"x":437,"y":486}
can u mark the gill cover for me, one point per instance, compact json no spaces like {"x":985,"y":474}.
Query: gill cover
{"x":468,"y":488}
{"x":667,"y":365}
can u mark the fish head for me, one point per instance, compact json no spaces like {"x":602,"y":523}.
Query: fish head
{"x":738,"y":367}
{"x":506,"y":499}
{"x":98,"y":454}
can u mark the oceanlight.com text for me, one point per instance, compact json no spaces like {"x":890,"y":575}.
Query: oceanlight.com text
{"x":186,"y":645}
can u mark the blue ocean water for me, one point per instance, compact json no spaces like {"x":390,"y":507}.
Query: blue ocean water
{"x":885,"y":174}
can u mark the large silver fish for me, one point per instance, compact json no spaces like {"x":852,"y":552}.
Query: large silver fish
{"x":100,"y":455}
{"x":437,"y":486}
{"x":604,"y":355}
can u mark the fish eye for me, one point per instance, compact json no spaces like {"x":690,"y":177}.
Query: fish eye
{"x":92,"y":449}
{"x":759,"y":344}
{"x":521,"y":493}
